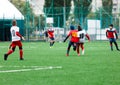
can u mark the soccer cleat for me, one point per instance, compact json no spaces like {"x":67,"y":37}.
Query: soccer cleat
{"x":21,"y":58}
{"x":5,"y":57}
{"x":83,"y":52}
{"x":118,"y":49}
{"x":67,"y":54}
{"x":74,"y":48}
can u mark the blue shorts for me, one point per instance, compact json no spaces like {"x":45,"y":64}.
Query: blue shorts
{"x":112,"y":40}
{"x":52,"y":38}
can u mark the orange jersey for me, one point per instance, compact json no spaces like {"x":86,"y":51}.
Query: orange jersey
{"x":73,"y":34}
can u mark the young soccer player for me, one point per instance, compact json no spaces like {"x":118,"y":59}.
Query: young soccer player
{"x":51,"y":36}
{"x":16,"y":37}
{"x":81,"y":34}
{"x":110,"y":34}
{"x":74,"y":39}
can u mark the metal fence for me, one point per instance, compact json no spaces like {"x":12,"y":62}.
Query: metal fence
{"x":94,"y":23}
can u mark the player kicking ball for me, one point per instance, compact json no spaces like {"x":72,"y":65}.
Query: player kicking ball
{"x":16,"y":41}
{"x":51,"y":36}
{"x":74,"y":39}
{"x":110,"y":34}
{"x":81,"y":34}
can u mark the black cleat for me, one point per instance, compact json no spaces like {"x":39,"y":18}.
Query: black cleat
{"x":5,"y":57}
{"x":118,"y":49}
{"x":21,"y":58}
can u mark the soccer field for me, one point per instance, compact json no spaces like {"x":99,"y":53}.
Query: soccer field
{"x":50,"y":66}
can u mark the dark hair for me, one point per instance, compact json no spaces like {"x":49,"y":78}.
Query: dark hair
{"x":79,"y":28}
{"x":72,"y":27}
{"x":111,"y":25}
{"x":14,"y":23}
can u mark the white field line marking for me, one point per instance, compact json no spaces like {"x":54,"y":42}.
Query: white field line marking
{"x":31,"y":69}
{"x":27,"y":66}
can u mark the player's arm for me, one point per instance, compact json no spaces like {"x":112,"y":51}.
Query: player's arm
{"x":18,"y":34}
{"x":116,"y":34}
{"x":67,"y":37}
{"x":88,"y":37}
{"x":106,"y":34}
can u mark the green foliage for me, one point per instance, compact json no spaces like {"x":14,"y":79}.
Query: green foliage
{"x":51,"y":10}
{"x":82,"y":9}
{"x":107,"y":8}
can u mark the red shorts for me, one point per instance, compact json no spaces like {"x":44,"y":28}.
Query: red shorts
{"x":16,"y":43}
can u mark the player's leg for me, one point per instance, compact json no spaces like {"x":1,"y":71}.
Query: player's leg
{"x":50,"y":43}
{"x":21,"y":53}
{"x":10,"y":51}
{"x":77,"y":48}
{"x":116,"y":45}
{"x":68,"y":49}
{"x":20,"y":50}
{"x":82,"y":47}
{"x":111,"y":45}
{"x":74,"y":46}
{"x":53,"y":41}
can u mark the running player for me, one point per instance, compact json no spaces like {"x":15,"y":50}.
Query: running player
{"x":74,"y":39}
{"x":81,"y":34}
{"x":51,"y":36}
{"x":16,"y":37}
{"x":110,"y":32}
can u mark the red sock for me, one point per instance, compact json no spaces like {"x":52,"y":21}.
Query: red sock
{"x":10,"y":52}
{"x":78,"y":49}
{"x":21,"y":54}
{"x":82,"y":47}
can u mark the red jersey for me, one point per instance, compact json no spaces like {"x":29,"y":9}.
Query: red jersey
{"x":73,"y":34}
{"x":110,"y":33}
{"x":50,"y":33}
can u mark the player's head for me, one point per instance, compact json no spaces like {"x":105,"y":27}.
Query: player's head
{"x":72,"y":27}
{"x":14,"y":23}
{"x":111,"y":26}
{"x":79,"y":28}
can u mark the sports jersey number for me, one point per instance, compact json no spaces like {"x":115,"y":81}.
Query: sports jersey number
{"x":81,"y":36}
{"x":13,"y":32}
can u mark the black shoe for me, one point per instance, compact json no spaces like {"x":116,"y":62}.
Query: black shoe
{"x":5,"y":57}
{"x":118,"y":49}
{"x":74,"y":48}
{"x":21,"y":58}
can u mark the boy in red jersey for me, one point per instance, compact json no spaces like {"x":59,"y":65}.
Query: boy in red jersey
{"x":74,"y":39}
{"x":51,"y":36}
{"x":16,"y":37}
{"x":110,"y":32}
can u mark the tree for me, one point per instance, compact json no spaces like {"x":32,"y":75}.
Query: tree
{"x":107,"y":6}
{"x":54,"y":8}
{"x":82,"y":9}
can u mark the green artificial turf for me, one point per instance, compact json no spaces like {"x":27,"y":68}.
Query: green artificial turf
{"x":99,"y":65}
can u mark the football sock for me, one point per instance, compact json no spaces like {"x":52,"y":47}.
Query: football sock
{"x":74,"y":48}
{"x":10,"y":52}
{"x":82,"y":47}
{"x":68,"y":49}
{"x":21,"y":54}
{"x":53,"y":43}
{"x":111,"y":46}
{"x":116,"y":45}
{"x":77,"y":49}
{"x":50,"y":44}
